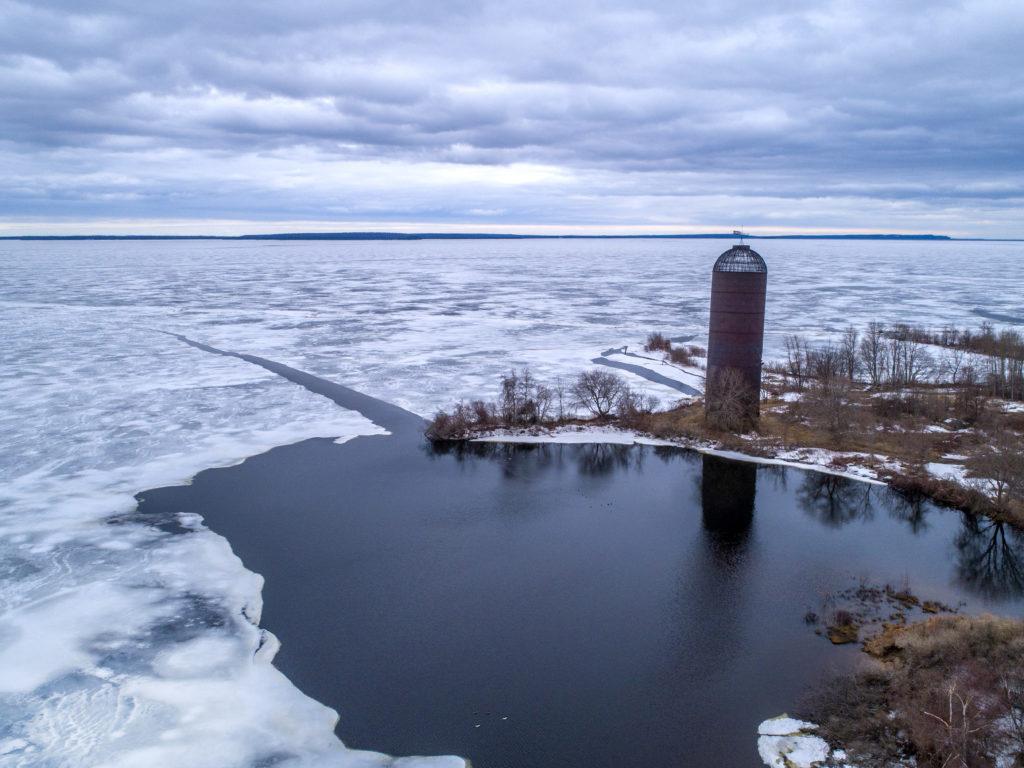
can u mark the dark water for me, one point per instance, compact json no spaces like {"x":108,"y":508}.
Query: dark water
{"x":571,"y":606}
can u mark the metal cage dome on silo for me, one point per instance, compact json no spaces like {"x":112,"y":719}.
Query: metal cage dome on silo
{"x":740,"y":258}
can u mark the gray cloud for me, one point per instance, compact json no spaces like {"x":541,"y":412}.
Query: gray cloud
{"x":795,"y":114}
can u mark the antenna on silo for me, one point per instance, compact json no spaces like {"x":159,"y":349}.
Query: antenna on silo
{"x":740,"y":234}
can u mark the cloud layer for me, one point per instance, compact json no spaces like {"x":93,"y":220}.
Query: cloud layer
{"x":789,"y":115}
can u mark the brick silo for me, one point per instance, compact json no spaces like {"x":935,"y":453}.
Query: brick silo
{"x":736,"y":332}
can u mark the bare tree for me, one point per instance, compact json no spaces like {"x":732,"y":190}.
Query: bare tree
{"x":633,"y":407}
{"x":894,"y":354}
{"x":950,"y":364}
{"x":827,"y":404}
{"x":824,"y":363}
{"x":918,"y":363}
{"x":544,"y":399}
{"x":728,"y":403}
{"x":1001,"y":465}
{"x":526,"y":387}
{"x":598,"y":391}
{"x":796,"y":359}
{"x":950,"y":337}
{"x":848,"y":351}
{"x":561,"y":398}
{"x":522,"y":399}
{"x":872,"y":356}
{"x":508,"y":399}
{"x":969,"y":398}
{"x":484,"y":414}
{"x":632,"y":402}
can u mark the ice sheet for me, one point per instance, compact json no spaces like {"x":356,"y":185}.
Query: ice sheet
{"x":121,"y":643}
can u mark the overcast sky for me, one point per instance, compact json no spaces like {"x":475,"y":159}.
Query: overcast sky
{"x":568,"y":116}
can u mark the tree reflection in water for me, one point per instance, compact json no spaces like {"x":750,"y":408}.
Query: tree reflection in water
{"x":834,"y":500}
{"x":592,"y":459}
{"x":544,"y":456}
{"x":990,"y":555}
{"x":910,"y":507}
{"x":597,"y":459}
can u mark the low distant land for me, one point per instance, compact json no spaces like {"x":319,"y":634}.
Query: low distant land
{"x":496,"y":236}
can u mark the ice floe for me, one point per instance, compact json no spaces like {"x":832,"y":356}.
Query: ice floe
{"x":787,"y":743}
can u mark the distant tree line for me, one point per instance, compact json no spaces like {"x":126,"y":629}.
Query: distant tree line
{"x":1001,"y":364}
{"x":902,"y":356}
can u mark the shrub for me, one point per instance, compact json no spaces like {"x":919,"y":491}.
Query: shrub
{"x":852,"y":711}
{"x":827,"y":405}
{"x":523,"y":400}
{"x":950,"y":695}
{"x":680,"y":356}
{"x":451,"y":426}
{"x":843,"y":618}
{"x":657,"y":342}
{"x":1001,"y":464}
{"x":728,"y":405}
{"x":950,"y":719}
{"x":484,"y":413}
{"x":635,"y":408}
{"x":598,"y":391}
{"x":969,"y":401}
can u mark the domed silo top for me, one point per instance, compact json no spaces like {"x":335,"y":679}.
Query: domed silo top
{"x":740,"y":258}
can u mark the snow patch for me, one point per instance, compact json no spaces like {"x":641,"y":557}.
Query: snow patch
{"x":574,"y":435}
{"x":785,"y":743}
{"x":955,"y":472}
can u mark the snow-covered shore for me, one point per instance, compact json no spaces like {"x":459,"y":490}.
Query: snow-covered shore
{"x":839,"y":463}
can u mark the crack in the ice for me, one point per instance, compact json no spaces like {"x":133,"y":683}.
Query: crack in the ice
{"x":394,"y":419}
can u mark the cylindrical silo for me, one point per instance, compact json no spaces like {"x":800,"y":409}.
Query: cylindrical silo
{"x":736,"y":332}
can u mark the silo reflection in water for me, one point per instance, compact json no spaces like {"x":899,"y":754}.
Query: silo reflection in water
{"x":727,"y":493}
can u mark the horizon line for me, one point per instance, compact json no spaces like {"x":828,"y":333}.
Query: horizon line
{"x":389,"y":235}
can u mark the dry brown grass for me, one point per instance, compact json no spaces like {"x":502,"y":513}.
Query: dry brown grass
{"x":950,"y":693}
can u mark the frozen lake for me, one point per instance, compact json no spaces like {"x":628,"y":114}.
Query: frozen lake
{"x":100,"y":403}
